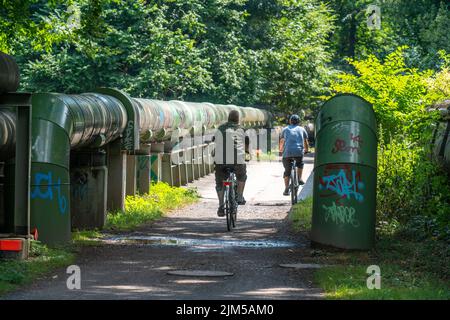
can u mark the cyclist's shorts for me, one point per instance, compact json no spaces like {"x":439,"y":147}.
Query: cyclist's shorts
{"x":239,"y":169}
{"x":287,"y":164}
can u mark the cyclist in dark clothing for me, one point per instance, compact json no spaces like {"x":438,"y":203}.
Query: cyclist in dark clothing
{"x":231,"y":146}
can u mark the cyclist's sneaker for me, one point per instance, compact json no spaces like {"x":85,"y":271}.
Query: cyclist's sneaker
{"x":221,"y":211}
{"x":241,"y":201}
{"x":286,"y":192}
{"x":301,"y":182}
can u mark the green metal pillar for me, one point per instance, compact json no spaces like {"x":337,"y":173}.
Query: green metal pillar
{"x":50,"y":181}
{"x":345,"y":172}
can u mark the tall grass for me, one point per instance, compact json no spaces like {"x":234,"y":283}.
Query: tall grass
{"x":141,"y":209}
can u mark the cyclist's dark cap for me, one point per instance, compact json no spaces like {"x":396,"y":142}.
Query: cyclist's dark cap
{"x":294,"y":119}
{"x":233,"y":116}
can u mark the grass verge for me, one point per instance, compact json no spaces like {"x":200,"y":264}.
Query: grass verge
{"x":87,"y":237}
{"x":142,"y":209}
{"x":409,"y":269}
{"x":301,"y":215}
{"x":15,"y":273}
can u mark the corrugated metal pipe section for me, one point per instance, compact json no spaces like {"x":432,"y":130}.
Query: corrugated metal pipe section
{"x":9,"y":82}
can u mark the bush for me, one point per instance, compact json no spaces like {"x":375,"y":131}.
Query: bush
{"x":413,"y":193}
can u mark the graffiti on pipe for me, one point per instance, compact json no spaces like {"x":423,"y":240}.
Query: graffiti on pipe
{"x":128,"y":141}
{"x":45,"y":192}
{"x":143,"y":162}
{"x":340,"y":145}
{"x":80,"y":185}
{"x":340,"y":214}
{"x":341,"y":185}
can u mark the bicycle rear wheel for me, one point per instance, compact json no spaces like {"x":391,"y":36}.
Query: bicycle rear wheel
{"x":294,"y":186}
{"x":227,"y":207}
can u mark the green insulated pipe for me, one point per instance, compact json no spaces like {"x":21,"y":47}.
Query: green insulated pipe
{"x":9,"y":82}
{"x":159,"y":120}
{"x":7,"y":134}
{"x":60,"y":122}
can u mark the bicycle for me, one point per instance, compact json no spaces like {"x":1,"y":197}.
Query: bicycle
{"x":229,"y":197}
{"x":294,"y":185}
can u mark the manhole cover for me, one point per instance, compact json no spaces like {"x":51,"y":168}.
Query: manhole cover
{"x":200,"y":273}
{"x":302,"y":265}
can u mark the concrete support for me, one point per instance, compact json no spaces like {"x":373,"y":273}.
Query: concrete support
{"x":166,"y":169}
{"x":157,"y":150}
{"x":176,"y":169}
{"x":190,"y":164}
{"x":171,"y":169}
{"x":197,"y":161}
{"x":88,"y":189}
{"x":131,"y":175}
{"x":143,"y":173}
{"x":88,"y":197}
{"x":156,"y":167}
{"x":203,"y":153}
{"x":262,"y":143}
{"x":206,"y":156}
{"x":116,"y":176}
{"x":182,"y":156}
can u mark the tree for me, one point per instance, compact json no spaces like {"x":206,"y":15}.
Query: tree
{"x":226,"y":51}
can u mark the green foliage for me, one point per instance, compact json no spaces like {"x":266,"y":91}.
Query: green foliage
{"x":398,"y":93}
{"x":422,"y":25}
{"x":413,"y":192}
{"x":242,"y":52}
{"x":298,"y":68}
{"x":146,"y":208}
{"x":353,"y":38}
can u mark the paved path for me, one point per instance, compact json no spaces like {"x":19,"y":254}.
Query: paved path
{"x":194,"y":238}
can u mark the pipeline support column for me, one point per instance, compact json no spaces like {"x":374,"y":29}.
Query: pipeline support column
{"x":116,"y":176}
{"x":131,"y":175}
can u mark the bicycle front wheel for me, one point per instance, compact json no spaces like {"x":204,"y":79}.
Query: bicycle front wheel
{"x":233,"y":201}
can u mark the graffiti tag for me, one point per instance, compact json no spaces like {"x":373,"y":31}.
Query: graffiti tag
{"x":45,"y":192}
{"x":341,"y":146}
{"x":342,"y":186}
{"x":128,"y":142}
{"x":341,"y":215}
